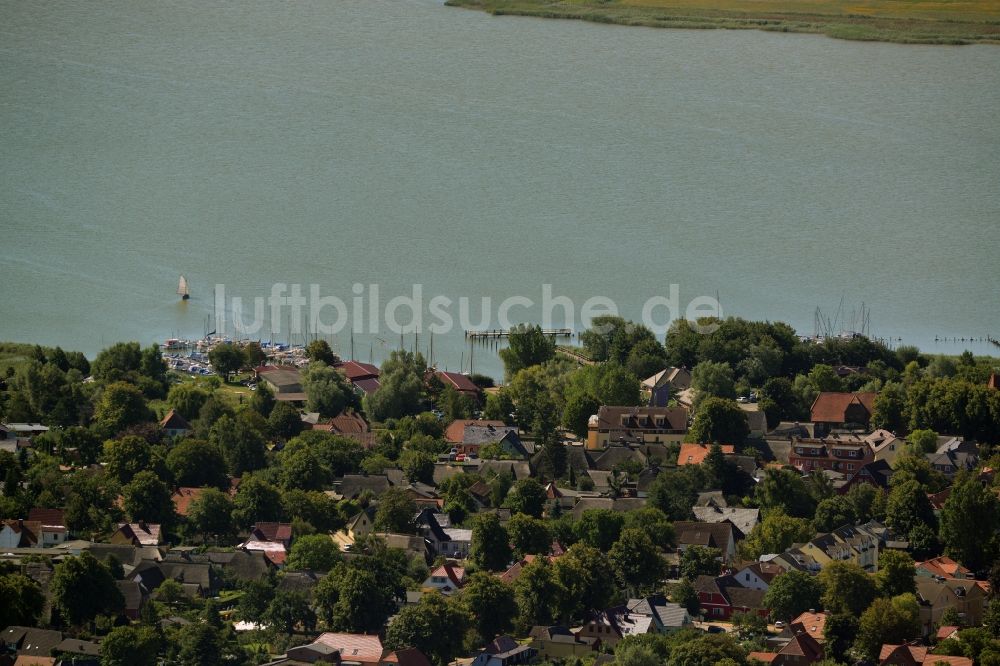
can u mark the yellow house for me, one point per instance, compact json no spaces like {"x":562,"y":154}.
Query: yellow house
{"x":845,"y":544}
{"x":358,"y":527}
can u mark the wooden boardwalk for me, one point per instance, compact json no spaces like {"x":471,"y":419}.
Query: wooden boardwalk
{"x":495,"y":333}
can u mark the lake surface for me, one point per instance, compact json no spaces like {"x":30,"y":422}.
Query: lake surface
{"x":399,"y":141}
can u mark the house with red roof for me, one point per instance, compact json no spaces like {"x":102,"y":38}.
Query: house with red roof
{"x":916,"y":655}
{"x":137,"y":534}
{"x":695,"y":454}
{"x":832,"y":410}
{"x":459,"y":382}
{"x":53,"y":525}
{"x":364,"y":377}
{"x":175,"y":425}
{"x":446,"y":579}
{"x":942,"y":567}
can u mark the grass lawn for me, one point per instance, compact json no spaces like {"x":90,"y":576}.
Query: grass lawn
{"x":907,"y":21}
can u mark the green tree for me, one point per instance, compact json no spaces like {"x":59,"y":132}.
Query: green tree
{"x":418,"y":466}
{"x":351,"y":599}
{"x":436,"y":626}
{"x":130,"y":646}
{"x":908,"y":507}
{"x":195,"y":463}
{"x":262,"y":401}
{"x":401,"y":387}
{"x":527,"y":496}
{"x":257,"y":500}
{"x":922,"y":441}
{"x":257,"y":596}
{"x":708,"y":650}
{"x":784,"y":489}
{"x":240,"y":442}
{"x":834,"y":512}
{"x":200,"y":645}
{"x":636,"y":561}
{"x":683,"y":593}
{"x":713,"y":379}
{"x":126,"y":457}
{"x":970,"y":521}
{"x":895,"y":621}
{"x":211,"y":514}
{"x":327,"y":390}
{"x":83,"y":588}
{"x":537,"y":591}
{"x":289,"y":609}
{"x":120,"y":405}
{"x":187,"y":399}
{"x":147,"y":498}
{"x":316,"y":552}
{"x":526,"y":346}
{"x":774,"y":534}
{"x":23,"y":600}
{"x":839,"y":633}
{"x":490,"y":603}
{"x":700,"y":561}
{"x":394,"y":511}
{"x":284,"y":420}
{"x":319,"y":350}
{"x":719,"y":420}
{"x":529,"y":536}
{"x":847,"y":588}
{"x":490,"y":549}
{"x":582,"y":579}
{"x":600,"y":528}
{"x":793,"y":593}
{"x":895,"y":573}
{"x":227,"y":358}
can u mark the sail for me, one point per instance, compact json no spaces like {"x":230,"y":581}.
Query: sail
{"x":182,"y":287}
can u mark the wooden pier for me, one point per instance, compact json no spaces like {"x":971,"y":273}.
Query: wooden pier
{"x":496,"y":333}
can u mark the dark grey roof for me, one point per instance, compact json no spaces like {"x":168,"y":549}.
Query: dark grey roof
{"x":352,"y":485}
{"x":31,"y":641}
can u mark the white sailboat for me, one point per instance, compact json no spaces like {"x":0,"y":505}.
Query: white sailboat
{"x":182,"y":289}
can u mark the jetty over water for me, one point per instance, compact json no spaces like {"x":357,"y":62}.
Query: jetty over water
{"x":495,"y":333}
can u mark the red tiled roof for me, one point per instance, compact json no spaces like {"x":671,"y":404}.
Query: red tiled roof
{"x":273,"y":531}
{"x":455,"y":574}
{"x":695,"y":454}
{"x":353,"y":647}
{"x":458,"y":381}
{"x":830,"y":407}
{"x":174,"y":421}
{"x":356,"y":370}
{"x":48,"y":517}
{"x":812,"y":623}
{"x":183,"y":497}
{"x":944,"y":566}
{"x":763,"y":657}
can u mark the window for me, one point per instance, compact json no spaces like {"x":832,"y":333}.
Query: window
{"x":850,"y":467}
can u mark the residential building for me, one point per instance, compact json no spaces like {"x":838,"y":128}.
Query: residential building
{"x":695,"y":454}
{"x":554,"y":642}
{"x":849,"y":543}
{"x":744,"y":520}
{"x":838,"y":454}
{"x":936,"y":596}
{"x":53,"y":525}
{"x":832,"y":410}
{"x":446,"y":579}
{"x":917,"y":655}
{"x":758,"y":576}
{"x":636,"y":425}
{"x":720,"y":597}
{"x":504,"y":651}
{"x":711,"y":535}
{"x":175,"y":425}
{"x":137,"y":534}
{"x":285,"y":381}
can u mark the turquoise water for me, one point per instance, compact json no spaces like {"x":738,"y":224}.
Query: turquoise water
{"x":395,"y":141}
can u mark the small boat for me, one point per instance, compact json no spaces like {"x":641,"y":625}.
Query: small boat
{"x":182,"y":289}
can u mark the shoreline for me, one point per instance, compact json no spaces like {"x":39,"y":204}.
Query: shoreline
{"x":784,"y":17}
